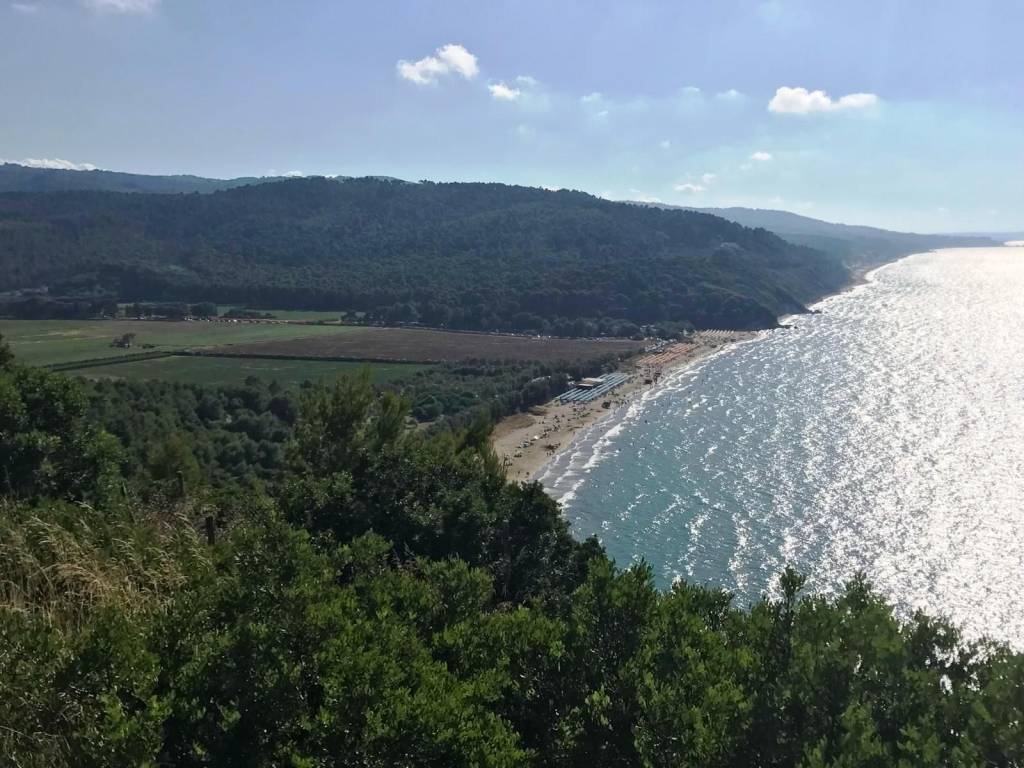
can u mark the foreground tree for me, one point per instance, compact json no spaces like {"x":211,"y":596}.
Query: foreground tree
{"x":401,"y":604}
{"x":359,"y":470}
{"x":47,"y":449}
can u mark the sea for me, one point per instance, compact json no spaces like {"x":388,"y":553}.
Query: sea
{"x":882,"y":434}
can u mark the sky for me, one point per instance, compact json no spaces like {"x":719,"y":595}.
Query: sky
{"x":898,"y":113}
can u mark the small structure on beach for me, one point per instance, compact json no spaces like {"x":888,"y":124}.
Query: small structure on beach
{"x":597,"y":387}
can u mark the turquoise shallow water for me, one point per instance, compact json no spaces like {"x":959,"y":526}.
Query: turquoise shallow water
{"x":885,"y":434}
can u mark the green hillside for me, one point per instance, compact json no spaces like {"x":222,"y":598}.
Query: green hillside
{"x":858,"y":246}
{"x":471,"y":256}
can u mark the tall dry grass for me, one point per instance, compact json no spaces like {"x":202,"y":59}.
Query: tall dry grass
{"x":62,"y":562}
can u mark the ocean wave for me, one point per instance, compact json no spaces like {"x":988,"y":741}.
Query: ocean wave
{"x":884,"y":434}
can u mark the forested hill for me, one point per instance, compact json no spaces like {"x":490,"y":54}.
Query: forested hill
{"x":475,"y":256}
{"x":858,"y":246}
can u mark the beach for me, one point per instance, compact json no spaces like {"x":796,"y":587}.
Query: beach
{"x":527,"y":441}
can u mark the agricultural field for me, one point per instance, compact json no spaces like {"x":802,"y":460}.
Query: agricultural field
{"x":233,"y":352}
{"x":407,"y":344}
{"x":47,"y":342}
{"x":231,"y":371}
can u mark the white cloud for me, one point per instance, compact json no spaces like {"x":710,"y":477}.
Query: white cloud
{"x":800,"y":101}
{"x":597,"y":107}
{"x":52,"y":164}
{"x":502,"y":92}
{"x":121,"y":6}
{"x":293,"y":174}
{"x":642,"y":197}
{"x":692,"y":187}
{"x":731,"y":95}
{"x":761,"y":156}
{"x":526,"y":80}
{"x":857,"y":101}
{"x":665,"y":144}
{"x":448,"y":59}
{"x":691,"y":90}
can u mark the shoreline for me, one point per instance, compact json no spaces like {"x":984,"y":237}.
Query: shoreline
{"x":526,"y":442}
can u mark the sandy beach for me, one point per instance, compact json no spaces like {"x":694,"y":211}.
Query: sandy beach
{"x":527,"y":441}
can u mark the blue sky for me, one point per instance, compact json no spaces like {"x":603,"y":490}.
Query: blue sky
{"x":898,"y":113}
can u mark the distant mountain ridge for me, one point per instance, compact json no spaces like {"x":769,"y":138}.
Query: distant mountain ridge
{"x":15,"y":177}
{"x":999,"y":237}
{"x":860,"y":247}
{"x":23,"y":178}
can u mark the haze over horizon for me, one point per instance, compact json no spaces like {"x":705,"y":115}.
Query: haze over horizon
{"x":899,"y":115}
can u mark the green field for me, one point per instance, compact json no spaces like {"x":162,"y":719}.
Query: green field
{"x":224,"y":370}
{"x":46,"y":342}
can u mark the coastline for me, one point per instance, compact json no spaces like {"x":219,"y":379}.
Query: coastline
{"x":526,"y":442}
{"x":529,"y":442}
{"x":691,"y":492}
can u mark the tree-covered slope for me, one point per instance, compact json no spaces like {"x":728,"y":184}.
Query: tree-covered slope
{"x":484,"y":256}
{"x":858,"y":246}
